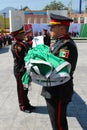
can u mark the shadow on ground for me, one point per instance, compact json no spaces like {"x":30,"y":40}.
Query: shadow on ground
{"x":4,"y":49}
{"x":78,"y":109}
{"x":41,"y":110}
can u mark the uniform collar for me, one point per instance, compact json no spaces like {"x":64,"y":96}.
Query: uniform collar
{"x":67,"y":36}
{"x":15,"y":39}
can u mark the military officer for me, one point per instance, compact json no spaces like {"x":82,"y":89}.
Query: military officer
{"x":19,"y":50}
{"x":58,"y":97}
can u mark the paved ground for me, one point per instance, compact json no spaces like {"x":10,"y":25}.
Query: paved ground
{"x":11,"y":118}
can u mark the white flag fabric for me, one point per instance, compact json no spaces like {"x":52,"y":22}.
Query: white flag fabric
{"x":37,"y":41}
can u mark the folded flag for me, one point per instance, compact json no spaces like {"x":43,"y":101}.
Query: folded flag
{"x":44,"y":68}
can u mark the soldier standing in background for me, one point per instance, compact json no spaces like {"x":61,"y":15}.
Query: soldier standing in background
{"x":46,"y":37}
{"x":28,"y":35}
{"x":19,"y":50}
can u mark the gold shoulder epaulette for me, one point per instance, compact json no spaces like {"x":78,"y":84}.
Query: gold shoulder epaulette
{"x":18,"y":47}
{"x":65,"y":41}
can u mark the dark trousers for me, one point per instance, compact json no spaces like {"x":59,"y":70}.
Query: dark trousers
{"x":21,"y":91}
{"x":57,"y":113}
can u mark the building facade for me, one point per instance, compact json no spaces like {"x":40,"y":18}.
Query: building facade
{"x":33,"y":17}
{"x":37,"y":17}
{"x":79,"y":18}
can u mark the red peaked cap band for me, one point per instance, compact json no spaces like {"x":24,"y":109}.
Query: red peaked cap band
{"x":61,"y":22}
{"x":27,"y":28}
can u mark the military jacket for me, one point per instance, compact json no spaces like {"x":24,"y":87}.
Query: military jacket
{"x":65,"y":48}
{"x":19,"y":50}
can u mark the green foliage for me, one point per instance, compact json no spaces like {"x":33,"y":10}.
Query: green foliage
{"x":2,"y":24}
{"x":55,"y":6}
{"x":25,"y":8}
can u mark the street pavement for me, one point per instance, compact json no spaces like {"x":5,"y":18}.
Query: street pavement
{"x":11,"y":118}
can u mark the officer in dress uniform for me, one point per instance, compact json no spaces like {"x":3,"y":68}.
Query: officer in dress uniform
{"x":58,"y":97}
{"x":19,"y":50}
{"x":28,"y":35}
{"x":46,"y":37}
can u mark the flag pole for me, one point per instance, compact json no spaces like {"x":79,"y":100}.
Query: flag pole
{"x":80,"y":6}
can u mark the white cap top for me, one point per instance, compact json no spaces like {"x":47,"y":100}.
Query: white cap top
{"x":16,"y":20}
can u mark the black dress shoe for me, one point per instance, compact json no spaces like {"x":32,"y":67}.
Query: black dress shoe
{"x":28,"y":109}
{"x":31,"y":107}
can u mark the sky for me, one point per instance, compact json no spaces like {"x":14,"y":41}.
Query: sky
{"x":35,"y":4}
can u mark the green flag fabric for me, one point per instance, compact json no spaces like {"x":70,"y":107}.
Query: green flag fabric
{"x":44,"y":68}
{"x":83,"y":30}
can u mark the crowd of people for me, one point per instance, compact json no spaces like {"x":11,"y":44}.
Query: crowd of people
{"x":5,"y":39}
{"x":74,"y":34}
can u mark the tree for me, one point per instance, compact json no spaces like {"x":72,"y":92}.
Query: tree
{"x":26,"y":8}
{"x":55,"y":6}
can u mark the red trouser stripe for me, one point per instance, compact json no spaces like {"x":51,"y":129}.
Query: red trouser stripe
{"x":59,"y":115}
{"x":20,"y":90}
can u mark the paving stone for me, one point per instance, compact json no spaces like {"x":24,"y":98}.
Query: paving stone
{"x":11,"y":118}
